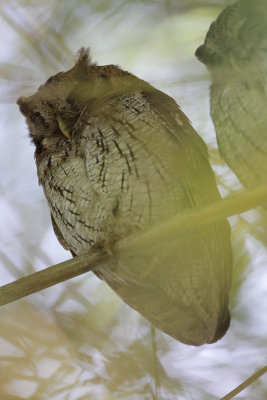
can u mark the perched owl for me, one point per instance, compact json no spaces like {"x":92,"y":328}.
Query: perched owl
{"x":114,"y":156}
{"x":235,"y":52}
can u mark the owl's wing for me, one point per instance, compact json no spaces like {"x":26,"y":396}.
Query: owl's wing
{"x":239,"y":117}
{"x":175,"y":121}
{"x":194,"y":151}
{"x":59,"y":235}
{"x":197,"y":180}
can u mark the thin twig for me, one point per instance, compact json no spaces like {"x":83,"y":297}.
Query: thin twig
{"x":81,"y":264}
{"x":245,"y":384}
{"x":232,"y":205}
{"x":51,"y":276}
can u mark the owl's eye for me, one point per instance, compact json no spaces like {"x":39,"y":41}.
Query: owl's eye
{"x":38,"y":119}
{"x":63,"y":126}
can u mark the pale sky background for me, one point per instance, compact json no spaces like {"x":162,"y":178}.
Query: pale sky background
{"x":157,"y":46}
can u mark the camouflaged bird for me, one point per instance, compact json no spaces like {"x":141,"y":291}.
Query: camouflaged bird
{"x":114,"y":156}
{"x":235,"y":52}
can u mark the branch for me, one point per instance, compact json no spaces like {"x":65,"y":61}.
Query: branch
{"x":51,"y":276}
{"x":232,"y":205}
{"x":87,"y":262}
{"x":245,"y":384}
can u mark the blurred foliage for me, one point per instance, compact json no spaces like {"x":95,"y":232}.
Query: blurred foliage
{"x":77,"y":340}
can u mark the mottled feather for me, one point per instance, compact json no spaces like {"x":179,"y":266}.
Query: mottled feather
{"x":235,"y":53}
{"x":115,"y":155}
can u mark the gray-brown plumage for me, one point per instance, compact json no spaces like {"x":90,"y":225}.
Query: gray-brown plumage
{"x":235,"y":52}
{"x":114,"y":155}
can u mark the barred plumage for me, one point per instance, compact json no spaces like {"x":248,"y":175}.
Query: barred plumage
{"x":235,"y":53}
{"x":115,"y":155}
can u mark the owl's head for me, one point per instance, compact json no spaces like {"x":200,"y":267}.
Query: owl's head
{"x":238,"y":32}
{"x":58,"y":104}
{"x":52,"y":101}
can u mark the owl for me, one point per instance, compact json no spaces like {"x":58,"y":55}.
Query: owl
{"x":235,"y":52}
{"x":116,"y":156}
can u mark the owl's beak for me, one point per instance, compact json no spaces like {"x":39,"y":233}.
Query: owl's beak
{"x":63,"y":126}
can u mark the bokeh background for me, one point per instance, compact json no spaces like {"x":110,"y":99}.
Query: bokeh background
{"x":77,"y":340}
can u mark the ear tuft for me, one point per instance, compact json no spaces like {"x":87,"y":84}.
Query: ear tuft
{"x":83,"y":56}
